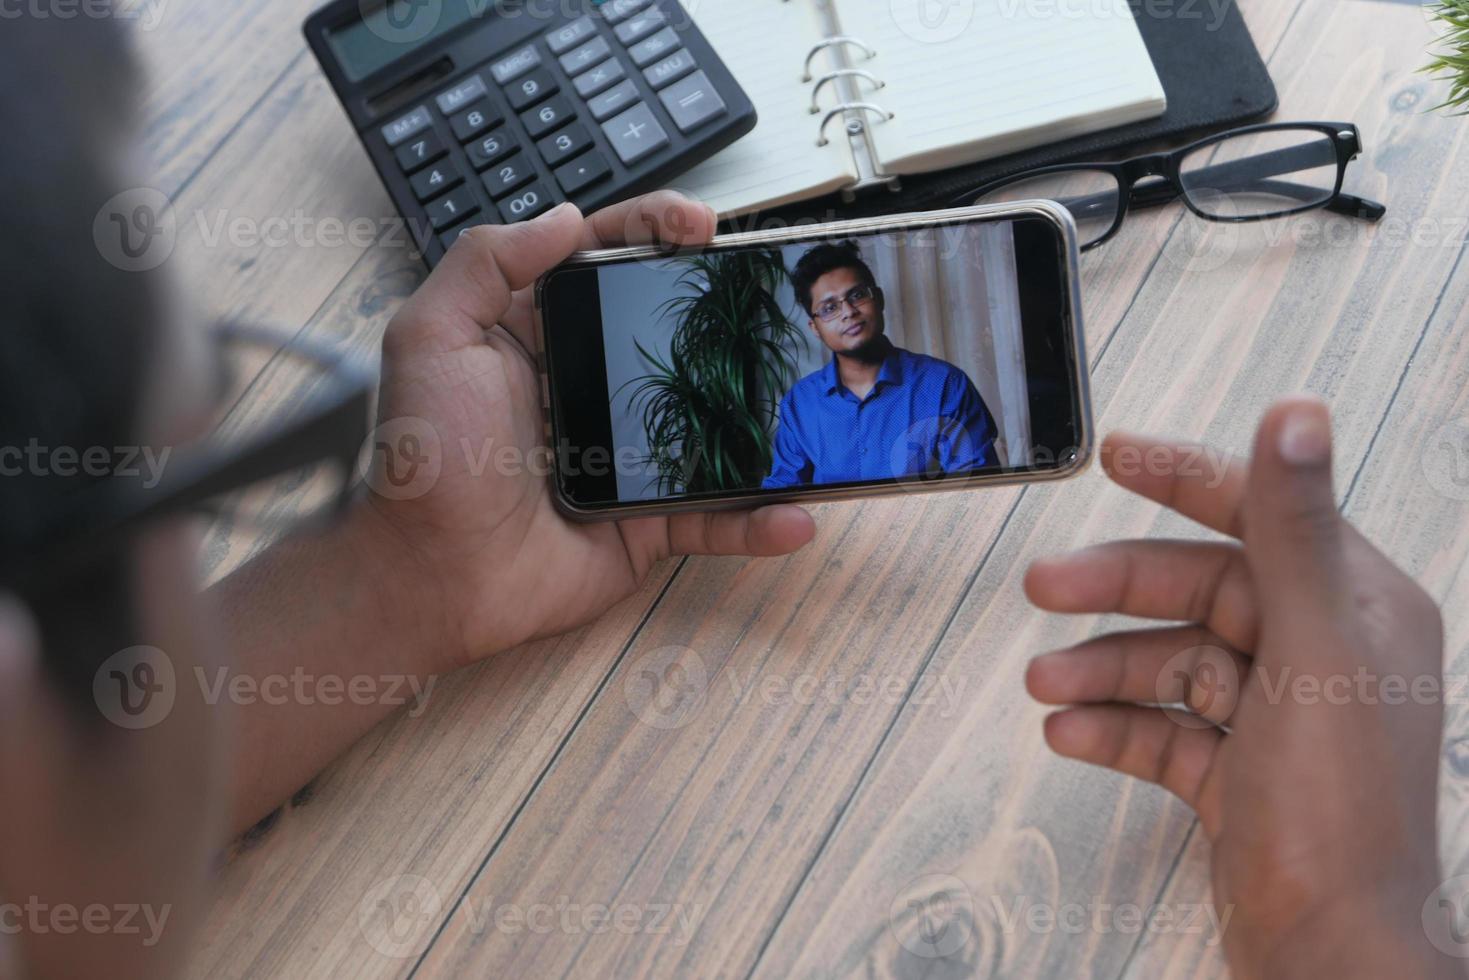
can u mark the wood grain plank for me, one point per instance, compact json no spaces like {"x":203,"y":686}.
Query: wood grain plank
{"x":1207,"y":344}
{"x":207,"y":64}
{"x":716,"y":819}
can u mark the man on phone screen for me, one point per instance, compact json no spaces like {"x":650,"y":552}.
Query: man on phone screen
{"x":876,"y":411}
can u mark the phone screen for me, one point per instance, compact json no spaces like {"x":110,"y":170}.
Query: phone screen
{"x":901,"y":358}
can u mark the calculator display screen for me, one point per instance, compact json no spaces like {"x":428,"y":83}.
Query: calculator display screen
{"x":398,"y":28}
{"x":893,"y":357}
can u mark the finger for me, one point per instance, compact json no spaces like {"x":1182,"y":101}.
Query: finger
{"x":1203,"y":582}
{"x":1185,"y":665}
{"x":769,"y":531}
{"x":663,"y":217}
{"x":1293,"y":530}
{"x":1197,"y":481}
{"x":470,"y":290}
{"x":1146,"y":744}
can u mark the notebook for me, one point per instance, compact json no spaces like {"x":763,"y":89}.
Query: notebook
{"x":898,"y":87}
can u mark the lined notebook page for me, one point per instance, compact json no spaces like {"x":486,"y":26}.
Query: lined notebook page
{"x":764,"y":43}
{"x":1014,"y":75}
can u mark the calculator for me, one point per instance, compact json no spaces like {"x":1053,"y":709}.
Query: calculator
{"x":493,"y":111}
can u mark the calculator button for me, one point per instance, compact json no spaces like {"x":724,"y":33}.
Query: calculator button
{"x":475,"y":120}
{"x":508,"y":176}
{"x":613,"y":101}
{"x":549,"y":115}
{"x":692,"y":102}
{"x":451,"y":208}
{"x":434,"y":181}
{"x":531,"y":89}
{"x":571,"y":35}
{"x":488,"y":149}
{"x":448,"y":238}
{"x":645,"y":23}
{"x":669,"y":70}
{"x":635,"y":134}
{"x":527,"y":204}
{"x":560,"y":147}
{"x":617,"y":10}
{"x":414,"y":154}
{"x":585,"y":56}
{"x":407,"y":125}
{"x":583,"y":172}
{"x":646,"y":52}
{"x":453,"y":99}
{"x":589,"y":83}
{"x":516,"y":64}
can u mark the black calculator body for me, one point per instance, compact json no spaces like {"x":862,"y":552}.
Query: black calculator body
{"x":493,"y":111}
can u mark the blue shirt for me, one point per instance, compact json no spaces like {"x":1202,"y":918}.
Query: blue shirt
{"x":923,"y":416}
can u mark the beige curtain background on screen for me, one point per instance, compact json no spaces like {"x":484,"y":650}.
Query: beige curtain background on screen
{"x":952,"y":294}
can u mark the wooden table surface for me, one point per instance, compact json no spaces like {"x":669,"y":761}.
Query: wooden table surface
{"x":826,"y":765}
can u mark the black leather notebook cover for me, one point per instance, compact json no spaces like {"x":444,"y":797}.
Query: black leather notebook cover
{"x":1211,"y":72}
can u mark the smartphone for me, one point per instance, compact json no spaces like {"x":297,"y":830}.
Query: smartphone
{"x":902,"y":354}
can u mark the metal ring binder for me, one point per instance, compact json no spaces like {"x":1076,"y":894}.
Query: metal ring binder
{"x":843,"y":109}
{"x":834,"y":40}
{"x":841,"y":73}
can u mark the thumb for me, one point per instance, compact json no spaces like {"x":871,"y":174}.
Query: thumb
{"x":1292,"y":528}
{"x":471,"y":288}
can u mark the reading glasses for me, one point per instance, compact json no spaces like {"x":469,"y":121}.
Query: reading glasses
{"x":1254,"y":173}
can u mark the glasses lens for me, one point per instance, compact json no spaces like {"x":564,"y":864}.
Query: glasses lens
{"x":1261,"y":174}
{"x":1092,"y":196}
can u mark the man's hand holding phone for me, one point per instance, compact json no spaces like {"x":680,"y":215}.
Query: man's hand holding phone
{"x":502,"y":564}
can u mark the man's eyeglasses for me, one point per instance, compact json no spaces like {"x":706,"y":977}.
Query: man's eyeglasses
{"x":829,"y":310}
{"x":275,"y":459}
{"x":1250,"y":174}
